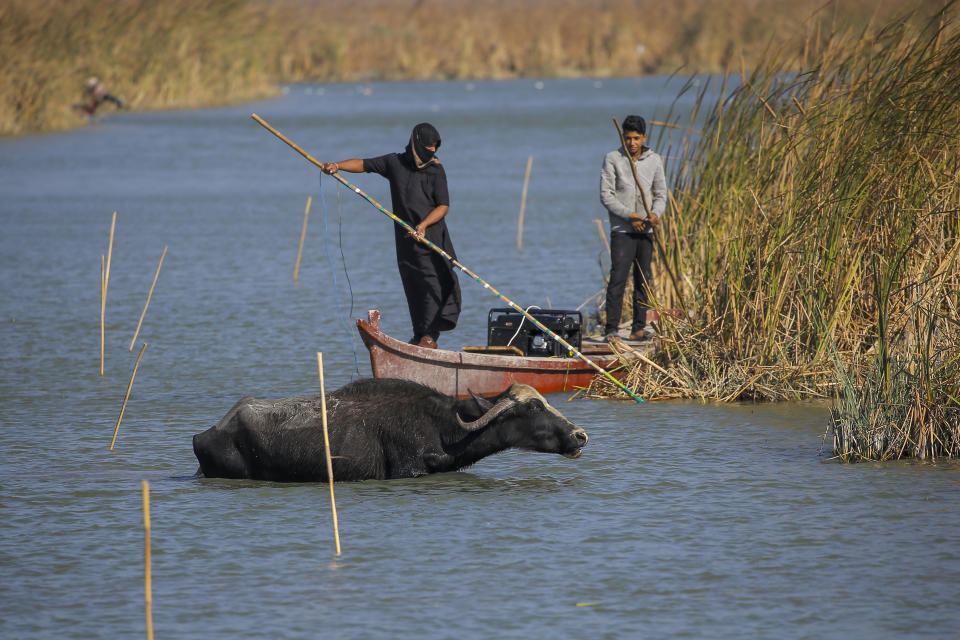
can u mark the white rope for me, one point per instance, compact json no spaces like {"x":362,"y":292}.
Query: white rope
{"x":523,"y":319}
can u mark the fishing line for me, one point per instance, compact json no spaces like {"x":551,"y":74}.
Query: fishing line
{"x":340,"y":241}
{"x":346,"y":274}
{"x":333,"y":273}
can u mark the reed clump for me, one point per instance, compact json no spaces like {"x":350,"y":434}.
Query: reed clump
{"x":189,"y":53}
{"x":816,"y":225}
{"x":905,"y":407}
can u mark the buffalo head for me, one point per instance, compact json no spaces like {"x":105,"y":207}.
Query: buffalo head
{"x":527,"y":421}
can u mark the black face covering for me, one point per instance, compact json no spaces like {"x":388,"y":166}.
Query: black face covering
{"x":424,"y":134}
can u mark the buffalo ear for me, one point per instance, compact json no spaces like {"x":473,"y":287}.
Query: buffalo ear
{"x":485,"y":403}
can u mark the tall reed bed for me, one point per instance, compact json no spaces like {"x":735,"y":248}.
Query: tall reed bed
{"x":175,"y":53}
{"x":816,"y":225}
{"x":185,"y":53}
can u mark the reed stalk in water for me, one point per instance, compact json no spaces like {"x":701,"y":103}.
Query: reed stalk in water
{"x":327,"y":454}
{"x":147,"y":568}
{"x":303,"y":235}
{"x":126,"y":397}
{"x":143,"y":313}
{"x":523,"y":203}
{"x":104,"y":283}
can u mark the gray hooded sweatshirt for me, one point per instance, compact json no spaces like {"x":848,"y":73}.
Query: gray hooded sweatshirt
{"x":618,"y":191}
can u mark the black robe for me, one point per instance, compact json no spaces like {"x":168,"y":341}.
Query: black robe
{"x":429,"y":280}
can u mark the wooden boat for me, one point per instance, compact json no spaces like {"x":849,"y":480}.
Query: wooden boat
{"x":483,"y":370}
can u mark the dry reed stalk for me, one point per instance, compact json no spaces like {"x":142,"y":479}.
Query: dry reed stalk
{"x":603,"y":236}
{"x":596,"y":295}
{"x":126,"y":396}
{"x":326,"y":446}
{"x":106,"y":278}
{"x":650,"y":362}
{"x":303,"y":234}
{"x":104,"y":283}
{"x":523,"y":203}
{"x":147,"y":571}
{"x":670,"y":125}
{"x":147,"y":304}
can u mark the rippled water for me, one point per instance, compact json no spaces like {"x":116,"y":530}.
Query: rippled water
{"x":680,"y":519}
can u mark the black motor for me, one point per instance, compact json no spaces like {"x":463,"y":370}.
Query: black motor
{"x":510,"y":327}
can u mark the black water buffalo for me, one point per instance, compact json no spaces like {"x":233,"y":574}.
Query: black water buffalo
{"x":380,"y":429}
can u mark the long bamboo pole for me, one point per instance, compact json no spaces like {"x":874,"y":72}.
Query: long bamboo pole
{"x":123,"y":408}
{"x":303,"y":234}
{"x":643,"y":197}
{"x":455,"y":262}
{"x":326,"y":446}
{"x":105,"y":281}
{"x":523,"y":203}
{"x":149,"y":295}
{"x":147,"y":573}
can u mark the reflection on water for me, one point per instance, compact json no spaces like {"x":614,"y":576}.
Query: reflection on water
{"x":680,"y":519}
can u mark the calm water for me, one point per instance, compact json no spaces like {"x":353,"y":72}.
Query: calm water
{"x":680,"y":519}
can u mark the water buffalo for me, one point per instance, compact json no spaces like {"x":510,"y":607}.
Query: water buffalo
{"x":380,"y":429}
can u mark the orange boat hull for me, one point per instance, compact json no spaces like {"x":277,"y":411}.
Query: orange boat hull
{"x":456,"y":373}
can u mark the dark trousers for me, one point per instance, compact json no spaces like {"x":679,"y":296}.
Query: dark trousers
{"x":423,"y":291}
{"x":433,"y":297}
{"x":629,"y":252}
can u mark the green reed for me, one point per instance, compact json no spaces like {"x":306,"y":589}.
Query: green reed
{"x":816,"y":224}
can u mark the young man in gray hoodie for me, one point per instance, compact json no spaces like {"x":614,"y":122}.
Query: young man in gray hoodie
{"x":632,"y":224}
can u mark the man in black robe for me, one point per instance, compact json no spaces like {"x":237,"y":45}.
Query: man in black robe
{"x":418,"y":189}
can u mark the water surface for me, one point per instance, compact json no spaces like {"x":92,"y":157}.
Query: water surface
{"x":680,"y":519}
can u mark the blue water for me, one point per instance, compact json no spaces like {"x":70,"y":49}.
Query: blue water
{"x":680,"y":519}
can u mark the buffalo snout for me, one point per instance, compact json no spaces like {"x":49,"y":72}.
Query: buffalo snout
{"x":579,"y":437}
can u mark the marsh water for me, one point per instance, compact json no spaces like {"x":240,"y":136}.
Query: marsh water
{"x":680,"y":519}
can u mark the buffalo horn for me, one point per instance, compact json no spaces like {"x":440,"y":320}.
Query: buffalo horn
{"x":485,"y":404}
{"x":502,"y":405}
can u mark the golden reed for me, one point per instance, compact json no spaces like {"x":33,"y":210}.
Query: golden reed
{"x":190,"y":53}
